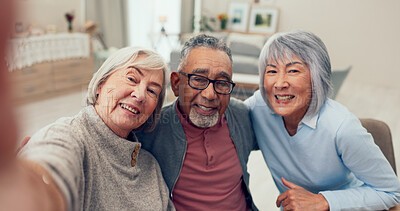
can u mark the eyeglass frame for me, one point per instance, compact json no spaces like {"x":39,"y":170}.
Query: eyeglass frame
{"x":189,"y":75}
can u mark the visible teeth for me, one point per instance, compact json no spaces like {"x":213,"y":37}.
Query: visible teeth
{"x":204,"y":108}
{"x":129,"y":108}
{"x":287,"y":97}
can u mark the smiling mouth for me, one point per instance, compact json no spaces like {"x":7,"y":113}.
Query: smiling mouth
{"x":285,"y":97}
{"x":204,"y":108}
{"x":126,"y":107}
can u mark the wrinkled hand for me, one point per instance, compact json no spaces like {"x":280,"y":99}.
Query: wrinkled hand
{"x":298,"y":198}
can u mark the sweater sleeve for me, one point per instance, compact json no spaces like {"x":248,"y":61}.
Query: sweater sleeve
{"x":380,"y":189}
{"x":56,"y":149}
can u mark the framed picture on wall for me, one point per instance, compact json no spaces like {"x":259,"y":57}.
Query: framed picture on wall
{"x":263,"y":20}
{"x":238,"y":15}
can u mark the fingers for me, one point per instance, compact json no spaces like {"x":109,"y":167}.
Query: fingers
{"x":289,"y":184}
{"x":281,"y":198}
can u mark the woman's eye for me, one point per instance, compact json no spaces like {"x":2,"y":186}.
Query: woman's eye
{"x":132,"y":79}
{"x":293,"y":71}
{"x":152,"y":92}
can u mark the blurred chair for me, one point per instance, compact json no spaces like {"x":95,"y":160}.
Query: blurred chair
{"x":382,"y":137}
{"x":338,"y":77}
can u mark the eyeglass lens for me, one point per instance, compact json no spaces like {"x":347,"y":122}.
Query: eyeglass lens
{"x":202,"y":82}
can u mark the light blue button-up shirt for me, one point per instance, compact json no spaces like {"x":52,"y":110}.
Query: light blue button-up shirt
{"x":331,"y":154}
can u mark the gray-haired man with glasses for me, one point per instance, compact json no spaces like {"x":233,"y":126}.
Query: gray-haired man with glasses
{"x":204,"y":138}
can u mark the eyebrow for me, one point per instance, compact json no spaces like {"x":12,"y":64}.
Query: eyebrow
{"x":137,"y":69}
{"x":220,"y":74}
{"x":293,"y":63}
{"x":141,"y":73}
{"x":287,"y":65}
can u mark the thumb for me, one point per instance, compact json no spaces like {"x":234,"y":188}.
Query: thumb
{"x":289,"y":184}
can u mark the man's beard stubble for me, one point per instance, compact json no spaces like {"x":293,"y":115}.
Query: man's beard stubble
{"x":203,"y":121}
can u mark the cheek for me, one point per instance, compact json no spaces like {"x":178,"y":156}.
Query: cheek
{"x":189,"y":95}
{"x":268,"y":84}
{"x":107,"y":99}
{"x":224,"y":102}
{"x":305,"y":86}
{"x":150,"y":106}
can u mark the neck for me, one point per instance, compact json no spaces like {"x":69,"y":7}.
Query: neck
{"x":291,"y":124}
{"x":117,"y":130}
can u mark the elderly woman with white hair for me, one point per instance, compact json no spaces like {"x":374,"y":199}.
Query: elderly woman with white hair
{"x":319,"y":155}
{"x":86,"y":162}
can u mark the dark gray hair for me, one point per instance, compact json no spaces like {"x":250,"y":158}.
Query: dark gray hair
{"x":311,"y":50}
{"x":121,"y":59}
{"x":206,"y":41}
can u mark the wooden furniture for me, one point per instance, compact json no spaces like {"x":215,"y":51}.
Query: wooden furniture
{"x":380,"y":131}
{"x":49,"y":65}
{"x":49,"y":79}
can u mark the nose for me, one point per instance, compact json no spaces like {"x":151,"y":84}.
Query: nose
{"x":139,"y":93}
{"x":209,"y":92}
{"x":281,"y":81}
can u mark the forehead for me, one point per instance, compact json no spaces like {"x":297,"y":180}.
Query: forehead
{"x":215,"y":61}
{"x":286,"y":61}
{"x":156,"y":76}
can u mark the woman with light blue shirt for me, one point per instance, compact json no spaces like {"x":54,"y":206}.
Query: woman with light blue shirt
{"x":319,"y":155}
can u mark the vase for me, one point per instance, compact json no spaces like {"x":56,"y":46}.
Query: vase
{"x":70,"y":29}
{"x":223,"y":24}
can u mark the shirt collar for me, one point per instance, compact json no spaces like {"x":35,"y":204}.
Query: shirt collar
{"x":310,"y":120}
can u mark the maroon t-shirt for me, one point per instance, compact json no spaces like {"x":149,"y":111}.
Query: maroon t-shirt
{"x":211,"y":175}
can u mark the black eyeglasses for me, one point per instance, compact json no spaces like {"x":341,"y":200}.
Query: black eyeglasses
{"x":200,"y":82}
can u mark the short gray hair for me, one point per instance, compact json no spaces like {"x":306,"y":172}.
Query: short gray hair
{"x":206,"y":41}
{"x":311,"y":50}
{"x":122,"y":58}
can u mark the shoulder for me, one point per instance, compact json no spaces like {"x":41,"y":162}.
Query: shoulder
{"x":66,"y":132}
{"x":147,"y":158}
{"x":168,"y":112}
{"x":237,"y":111}
{"x":255,"y":101}
{"x":236,"y":104}
{"x":168,"y":120}
{"x":333,"y":112}
{"x":337,"y":119}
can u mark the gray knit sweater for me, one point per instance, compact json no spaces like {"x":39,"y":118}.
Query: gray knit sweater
{"x":92,"y":166}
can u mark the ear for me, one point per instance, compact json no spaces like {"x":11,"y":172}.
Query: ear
{"x":175,"y":81}
{"x":99,"y":89}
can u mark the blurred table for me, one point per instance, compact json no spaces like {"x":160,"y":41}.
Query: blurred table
{"x":27,"y":51}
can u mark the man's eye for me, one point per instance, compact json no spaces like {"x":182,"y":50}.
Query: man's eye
{"x":199,"y":80}
{"x":271,"y":71}
{"x":223,"y":84}
{"x":293,"y":71}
